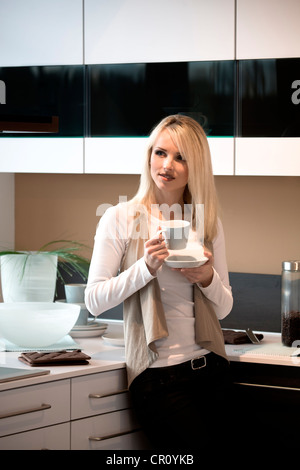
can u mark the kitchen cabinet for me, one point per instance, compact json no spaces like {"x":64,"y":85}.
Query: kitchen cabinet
{"x":23,"y":409}
{"x":88,"y":407}
{"x":97,"y":32}
{"x":264,"y":406}
{"x":267,"y":156}
{"x":269,"y":396}
{"x":267,"y":28}
{"x":129,"y":154}
{"x":117,"y":430}
{"x":41,"y":155}
{"x":133,"y":31}
{"x":72,"y":408}
{"x":41,"y":32}
{"x":52,"y":437}
{"x":35,"y":409}
{"x":94,"y":412}
{"x":104,"y":401}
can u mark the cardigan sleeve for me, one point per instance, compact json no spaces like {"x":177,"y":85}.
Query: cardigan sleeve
{"x":106,"y":288}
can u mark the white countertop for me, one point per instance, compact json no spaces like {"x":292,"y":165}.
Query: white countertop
{"x":269,"y":350}
{"x":106,"y":357}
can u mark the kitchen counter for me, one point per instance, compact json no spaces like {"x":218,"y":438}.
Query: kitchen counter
{"x":84,"y":401}
{"x":105,"y":357}
{"x":269,"y":351}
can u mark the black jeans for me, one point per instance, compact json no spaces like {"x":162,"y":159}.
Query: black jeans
{"x":180,"y":407}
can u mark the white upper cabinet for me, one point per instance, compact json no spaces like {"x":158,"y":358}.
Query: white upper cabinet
{"x":126,"y":155}
{"x":41,"y":155}
{"x":41,"y":32}
{"x":267,"y":29}
{"x":267,"y":156}
{"x":130,"y":31}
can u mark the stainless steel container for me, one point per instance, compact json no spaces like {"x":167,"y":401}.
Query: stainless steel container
{"x":290,"y":303}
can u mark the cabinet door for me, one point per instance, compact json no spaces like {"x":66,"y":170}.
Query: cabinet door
{"x":99,"y":393}
{"x":127,"y":155}
{"x":267,"y":28}
{"x":222,"y":155}
{"x":118,"y":430}
{"x":41,"y":155}
{"x":41,"y":32}
{"x":129,"y":152}
{"x":158,"y":31}
{"x":268,"y":156}
{"x":35,"y":406}
{"x":49,"y":438}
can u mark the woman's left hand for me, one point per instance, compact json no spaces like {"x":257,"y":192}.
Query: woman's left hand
{"x":202,"y":275}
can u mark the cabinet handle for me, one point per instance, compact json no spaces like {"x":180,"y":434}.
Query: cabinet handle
{"x":97,"y":395}
{"x":110,"y":436}
{"x":277,"y":387}
{"x":43,"y":406}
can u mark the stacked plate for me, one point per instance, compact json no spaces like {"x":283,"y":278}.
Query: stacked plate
{"x":93,"y":328}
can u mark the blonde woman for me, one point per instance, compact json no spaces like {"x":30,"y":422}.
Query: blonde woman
{"x":175,"y":356}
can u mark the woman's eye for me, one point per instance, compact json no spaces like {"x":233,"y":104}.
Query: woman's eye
{"x":160,"y":153}
{"x":180,"y":158}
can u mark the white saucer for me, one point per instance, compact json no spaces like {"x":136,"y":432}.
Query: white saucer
{"x":114,"y":339}
{"x":185,"y":261}
{"x":88,"y":331}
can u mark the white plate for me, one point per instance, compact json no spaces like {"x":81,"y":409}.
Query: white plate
{"x":87,"y":333}
{"x":115,"y":340}
{"x":185,"y":261}
{"x":91,"y":325}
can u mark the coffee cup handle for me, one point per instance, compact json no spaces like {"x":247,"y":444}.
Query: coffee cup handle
{"x":164,"y":234}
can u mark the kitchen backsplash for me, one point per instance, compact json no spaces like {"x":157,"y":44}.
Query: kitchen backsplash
{"x":256,"y":302}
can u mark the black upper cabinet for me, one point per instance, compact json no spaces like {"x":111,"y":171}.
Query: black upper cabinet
{"x":130,"y":99}
{"x":269,"y":98}
{"x":43,"y":101}
{"x":247,"y":98}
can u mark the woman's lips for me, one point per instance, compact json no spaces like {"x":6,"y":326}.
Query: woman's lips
{"x":166,"y":176}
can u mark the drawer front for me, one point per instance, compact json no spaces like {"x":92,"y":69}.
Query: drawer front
{"x":116,"y":430}
{"x":50,"y":438}
{"x":99,"y":393}
{"x":27,"y":408}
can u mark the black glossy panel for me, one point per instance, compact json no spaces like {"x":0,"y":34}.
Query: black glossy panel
{"x":269,"y":98}
{"x":129,"y":99}
{"x":43,"y":101}
{"x":256,"y":302}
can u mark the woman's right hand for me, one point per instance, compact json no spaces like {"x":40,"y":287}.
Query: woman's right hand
{"x":155,"y":252}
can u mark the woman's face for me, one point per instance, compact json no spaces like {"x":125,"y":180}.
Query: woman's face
{"x":169,"y":170}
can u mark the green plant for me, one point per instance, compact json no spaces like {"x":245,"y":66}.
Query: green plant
{"x":69,"y":260}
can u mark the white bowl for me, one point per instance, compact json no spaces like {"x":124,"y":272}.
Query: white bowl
{"x":36,"y":324}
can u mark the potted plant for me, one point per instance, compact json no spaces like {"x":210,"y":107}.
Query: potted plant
{"x":32,"y":275}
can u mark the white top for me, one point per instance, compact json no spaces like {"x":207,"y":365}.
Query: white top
{"x":106,"y":288}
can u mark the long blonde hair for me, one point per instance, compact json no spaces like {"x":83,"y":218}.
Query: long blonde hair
{"x":191,"y":141}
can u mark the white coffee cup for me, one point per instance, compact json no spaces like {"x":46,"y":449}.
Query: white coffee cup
{"x":75,"y":293}
{"x":176,"y":233}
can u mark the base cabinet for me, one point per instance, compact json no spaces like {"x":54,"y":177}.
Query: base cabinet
{"x":111,"y":431}
{"x":266,"y":399}
{"x":49,"y":438}
{"x":84,"y":413}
